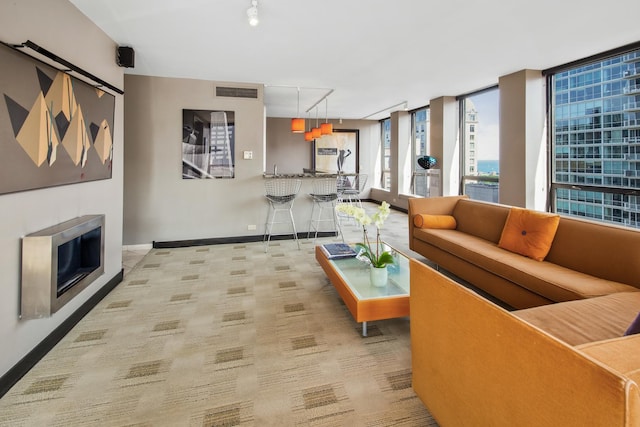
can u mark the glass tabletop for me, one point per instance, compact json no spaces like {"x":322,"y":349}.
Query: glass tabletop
{"x":356,"y":275}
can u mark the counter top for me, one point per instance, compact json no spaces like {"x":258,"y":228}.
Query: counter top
{"x":305,"y":175}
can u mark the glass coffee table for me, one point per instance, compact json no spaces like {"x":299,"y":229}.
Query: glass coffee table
{"x":366,"y":303}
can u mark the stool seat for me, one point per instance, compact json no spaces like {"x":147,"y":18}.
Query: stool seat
{"x":350,"y":186}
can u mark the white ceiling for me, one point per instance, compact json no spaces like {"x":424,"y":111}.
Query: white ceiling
{"x":373,"y":54}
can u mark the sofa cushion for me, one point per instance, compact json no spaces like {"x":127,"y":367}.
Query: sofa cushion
{"x":480,"y":219}
{"x":552,"y":281}
{"x":601,"y":250}
{"x":529,"y":233}
{"x":434,"y":221}
{"x":587,"y":320}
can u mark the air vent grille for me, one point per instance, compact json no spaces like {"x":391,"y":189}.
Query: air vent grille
{"x":237,"y":92}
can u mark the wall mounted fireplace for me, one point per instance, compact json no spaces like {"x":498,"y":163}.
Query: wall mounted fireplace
{"x":59,"y":262}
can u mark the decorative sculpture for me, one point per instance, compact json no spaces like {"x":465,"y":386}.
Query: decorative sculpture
{"x":427,"y":162}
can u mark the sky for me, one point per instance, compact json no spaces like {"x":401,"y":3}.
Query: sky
{"x":487,"y":133}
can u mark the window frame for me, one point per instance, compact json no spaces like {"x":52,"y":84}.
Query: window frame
{"x":385,"y":172}
{"x":584,"y":189}
{"x":463,"y":142}
{"x":413,"y":149}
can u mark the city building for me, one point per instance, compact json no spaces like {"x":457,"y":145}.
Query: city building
{"x":596,"y":135}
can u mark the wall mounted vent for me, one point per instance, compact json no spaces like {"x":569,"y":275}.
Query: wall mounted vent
{"x":237,"y":92}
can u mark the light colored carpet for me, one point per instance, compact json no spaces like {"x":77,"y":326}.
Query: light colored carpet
{"x":224,"y":335}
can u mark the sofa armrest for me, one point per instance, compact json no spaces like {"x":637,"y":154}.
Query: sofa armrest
{"x":621,"y":354}
{"x":475,"y":363}
{"x":430,"y":205}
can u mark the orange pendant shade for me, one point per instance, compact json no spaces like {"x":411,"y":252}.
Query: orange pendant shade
{"x":297,"y":125}
{"x":316,"y":132}
{"x":326,"y":128}
{"x":308,"y":136}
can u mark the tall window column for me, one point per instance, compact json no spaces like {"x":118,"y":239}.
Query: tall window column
{"x":523,"y":140}
{"x":444,"y":142}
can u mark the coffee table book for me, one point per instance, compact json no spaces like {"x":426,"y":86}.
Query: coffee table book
{"x":338,"y":250}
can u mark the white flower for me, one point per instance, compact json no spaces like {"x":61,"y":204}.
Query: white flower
{"x":374,"y":257}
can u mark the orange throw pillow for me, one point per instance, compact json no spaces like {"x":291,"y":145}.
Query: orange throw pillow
{"x":434,"y":221}
{"x":529,"y":233}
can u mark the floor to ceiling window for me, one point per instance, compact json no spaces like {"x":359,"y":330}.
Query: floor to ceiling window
{"x":479,"y":135}
{"x":421,"y":182}
{"x":385,"y":149}
{"x":595,"y":137}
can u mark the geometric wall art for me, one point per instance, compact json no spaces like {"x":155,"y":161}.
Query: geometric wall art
{"x":54,"y":128}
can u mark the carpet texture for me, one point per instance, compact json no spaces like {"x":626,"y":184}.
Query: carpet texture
{"x":223,"y":335}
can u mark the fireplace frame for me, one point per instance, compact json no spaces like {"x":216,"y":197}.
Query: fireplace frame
{"x":39,"y":282}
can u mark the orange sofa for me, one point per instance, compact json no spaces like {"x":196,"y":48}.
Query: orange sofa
{"x":476,"y":364}
{"x":586,"y":258}
{"x":560,"y":358}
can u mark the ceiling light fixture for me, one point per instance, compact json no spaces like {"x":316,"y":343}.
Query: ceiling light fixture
{"x":316,"y":132}
{"x":403,"y":104}
{"x":308,"y":136}
{"x":326,"y":128}
{"x":297,"y":124}
{"x":252,"y":13}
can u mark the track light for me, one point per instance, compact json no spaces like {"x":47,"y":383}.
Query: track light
{"x":252,"y":13}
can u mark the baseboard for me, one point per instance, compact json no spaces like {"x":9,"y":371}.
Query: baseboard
{"x":395,"y":208}
{"x":227,"y":240}
{"x":14,"y":374}
{"x":145,"y":246}
{"x":246,"y":239}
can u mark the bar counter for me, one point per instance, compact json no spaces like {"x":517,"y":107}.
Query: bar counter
{"x":303,"y":202}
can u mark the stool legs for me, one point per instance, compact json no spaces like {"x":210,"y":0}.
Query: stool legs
{"x":314,"y":223}
{"x":271,"y":220}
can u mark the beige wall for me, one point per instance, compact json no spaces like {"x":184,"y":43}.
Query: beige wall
{"x":288,"y":150}
{"x":59,"y":27}
{"x":292,"y":153}
{"x":158,"y":204}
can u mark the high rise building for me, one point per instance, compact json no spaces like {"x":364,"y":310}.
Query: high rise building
{"x":596,"y":140}
{"x":470,"y":133}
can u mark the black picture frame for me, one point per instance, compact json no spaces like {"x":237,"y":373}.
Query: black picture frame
{"x":338,"y":152}
{"x":208,"y":144}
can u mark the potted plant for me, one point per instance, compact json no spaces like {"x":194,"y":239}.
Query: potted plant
{"x":375,"y":256}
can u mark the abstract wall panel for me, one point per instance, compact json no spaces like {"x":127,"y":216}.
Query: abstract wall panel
{"x":54,"y":129}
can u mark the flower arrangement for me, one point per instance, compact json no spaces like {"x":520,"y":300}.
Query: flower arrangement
{"x":375,"y":257}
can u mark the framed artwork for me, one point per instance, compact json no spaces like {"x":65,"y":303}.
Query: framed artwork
{"x":337,"y":153}
{"x":54,"y":128}
{"x":208,"y":144}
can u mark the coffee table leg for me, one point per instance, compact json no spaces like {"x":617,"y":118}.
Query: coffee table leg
{"x":364,"y":329}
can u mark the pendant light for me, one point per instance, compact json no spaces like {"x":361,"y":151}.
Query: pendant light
{"x":308,"y":135}
{"x":316,"y":132}
{"x":297,"y":124}
{"x":326,"y":128}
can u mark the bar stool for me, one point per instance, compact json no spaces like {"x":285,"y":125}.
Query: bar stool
{"x":324,"y":196}
{"x":350,"y":186}
{"x":281,"y":193}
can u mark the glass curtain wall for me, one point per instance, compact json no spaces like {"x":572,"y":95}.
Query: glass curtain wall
{"x":480,"y":149}
{"x":385,"y":179}
{"x":595,"y":136}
